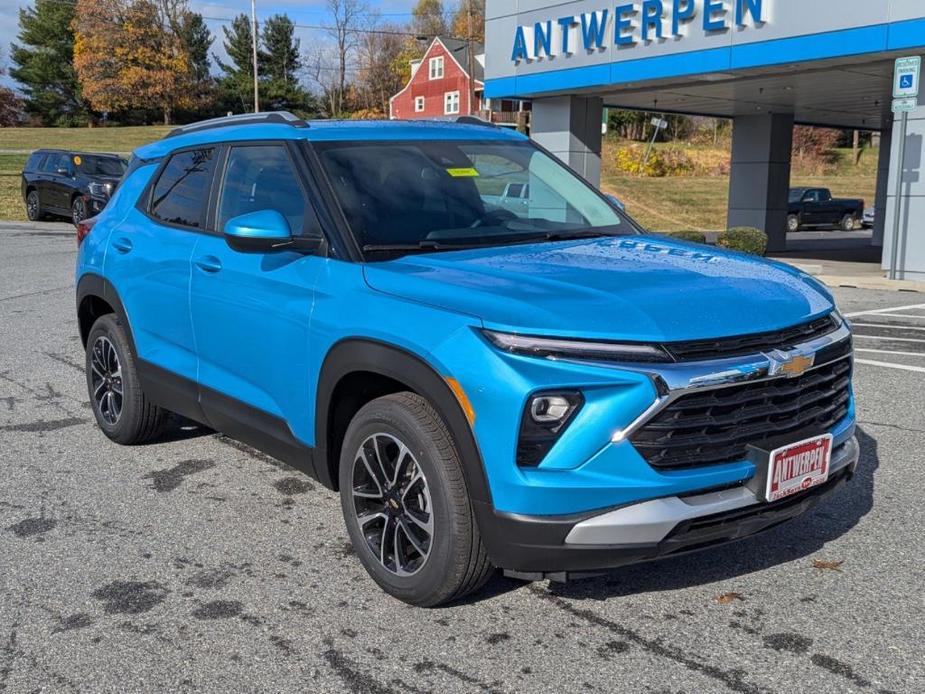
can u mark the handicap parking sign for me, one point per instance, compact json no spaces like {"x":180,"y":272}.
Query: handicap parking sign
{"x":906,"y":77}
{"x":905,"y":81}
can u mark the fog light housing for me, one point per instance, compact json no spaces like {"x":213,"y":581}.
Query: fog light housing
{"x":546,"y":416}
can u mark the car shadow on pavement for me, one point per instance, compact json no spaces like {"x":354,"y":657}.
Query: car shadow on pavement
{"x":178,"y":428}
{"x":795,"y":539}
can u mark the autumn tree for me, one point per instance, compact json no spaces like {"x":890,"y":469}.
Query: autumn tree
{"x":127,"y":56}
{"x":469,"y":20}
{"x":429,"y":18}
{"x":43,"y":63}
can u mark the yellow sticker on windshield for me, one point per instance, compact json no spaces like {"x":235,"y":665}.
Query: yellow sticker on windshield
{"x":77,"y":160}
{"x":462,"y":173}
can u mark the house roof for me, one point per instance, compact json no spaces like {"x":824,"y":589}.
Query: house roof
{"x":458,"y":48}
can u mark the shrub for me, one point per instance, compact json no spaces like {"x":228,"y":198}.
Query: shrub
{"x":745,"y":239}
{"x":695,"y":236}
{"x":662,"y":161}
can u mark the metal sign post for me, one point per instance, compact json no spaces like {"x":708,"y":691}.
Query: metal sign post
{"x":659,"y":124}
{"x":905,"y":99}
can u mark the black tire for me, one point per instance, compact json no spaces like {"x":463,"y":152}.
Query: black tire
{"x":848,"y":222}
{"x":78,"y":210}
{"x":793,"y":223}
{"x":34,"y":206}
{"x":137,"y":420}
{"x":456,"y":563}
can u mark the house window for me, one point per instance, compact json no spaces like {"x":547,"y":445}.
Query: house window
{"x":418,"y":104}
{"x":451,"y":102}
{"x":436,"y":68}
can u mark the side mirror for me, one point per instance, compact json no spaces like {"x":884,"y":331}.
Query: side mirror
{"x":258,"y":232}
{"x":616,"y":202}
{"x":63,"y":172}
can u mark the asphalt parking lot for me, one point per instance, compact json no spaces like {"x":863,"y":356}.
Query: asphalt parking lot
{"x":197,"y":564}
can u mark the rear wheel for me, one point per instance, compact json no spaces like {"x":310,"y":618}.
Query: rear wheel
{"x":33,"y":206}
{"x":793,"y":223}
{"x":406,"y":505}
{"x":121,"y":409}
{"x":848,"y":222}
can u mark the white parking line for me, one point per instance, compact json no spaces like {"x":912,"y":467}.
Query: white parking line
{"x":887,"y":365}
{"x":890,"y":351}
{"x":889,"y":339}
{"x":883,"y":310}
{"x":889,"y":327}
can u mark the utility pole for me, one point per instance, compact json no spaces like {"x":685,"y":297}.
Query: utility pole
{"x":254,"y":42}
{"x":471,"y":60}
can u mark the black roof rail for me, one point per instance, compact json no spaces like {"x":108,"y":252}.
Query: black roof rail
{"x":475,"y":120}
{"x":283,"y":117}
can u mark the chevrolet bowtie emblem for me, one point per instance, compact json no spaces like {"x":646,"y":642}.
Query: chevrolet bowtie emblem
{"x":791,"y":366}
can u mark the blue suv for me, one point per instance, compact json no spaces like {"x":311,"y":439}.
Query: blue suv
{"x":534,"y":385}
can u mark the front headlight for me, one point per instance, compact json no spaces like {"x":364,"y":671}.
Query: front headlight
{"x":592,"y":350}
{"x":100,"y":189}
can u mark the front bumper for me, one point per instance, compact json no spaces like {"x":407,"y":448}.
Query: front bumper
{"x":559,"y":548}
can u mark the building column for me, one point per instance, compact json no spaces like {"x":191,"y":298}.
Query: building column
{"x":883,"y":187}
{"x":911,"y":250}
{"x":570,"y":128}
{"x":759,"y":179}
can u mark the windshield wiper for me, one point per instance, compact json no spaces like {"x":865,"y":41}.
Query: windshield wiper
{"x":575,"y":234}
{"x":424,"y":246}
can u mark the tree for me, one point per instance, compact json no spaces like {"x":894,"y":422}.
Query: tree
{"x":238,"y":79}
{"x":43,"y":63}
{"x":346,"y":21}
{"x":197,"y":40}
{"x":282,"y":66}
{"x":469,"y":20}
{"x":127,"y":56}
{"x":813,"y":144}
{"x":429,"y":18}
{"x":380,"y":75}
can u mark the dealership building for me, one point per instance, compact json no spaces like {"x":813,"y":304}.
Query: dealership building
{"x":766,"y":64}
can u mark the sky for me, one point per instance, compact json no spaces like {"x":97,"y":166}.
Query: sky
{"x":307,"y":12}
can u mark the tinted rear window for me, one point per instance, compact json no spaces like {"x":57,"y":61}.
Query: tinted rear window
{"x":182,"y":190}
{"x":111,"y":167}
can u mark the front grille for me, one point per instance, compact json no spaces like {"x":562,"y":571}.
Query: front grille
{"x":717,"y":426}
{"x":788,"y":338}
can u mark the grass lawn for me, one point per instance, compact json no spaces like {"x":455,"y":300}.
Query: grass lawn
{"x":664,"y":204}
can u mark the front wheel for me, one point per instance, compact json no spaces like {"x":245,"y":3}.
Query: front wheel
{"x":78,"y":210}
{"x":848,"y":222}
{"x":120,"y":406}
{"x":793,"y":223}
{"x":406,"y":505}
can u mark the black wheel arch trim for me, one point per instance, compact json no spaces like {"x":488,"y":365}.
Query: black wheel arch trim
{"x":364,"y":355}
{"x":93,"y":285}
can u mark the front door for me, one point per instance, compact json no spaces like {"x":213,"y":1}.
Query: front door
{"x":251,"y":311}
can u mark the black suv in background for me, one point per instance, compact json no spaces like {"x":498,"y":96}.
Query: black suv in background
{"x":71,"y":184}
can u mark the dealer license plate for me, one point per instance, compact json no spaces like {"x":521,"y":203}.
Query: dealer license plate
{"x":797,"y":467}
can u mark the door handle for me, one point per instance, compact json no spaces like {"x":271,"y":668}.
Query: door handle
{"x":122,"y":244}
{"x":209,"y":263}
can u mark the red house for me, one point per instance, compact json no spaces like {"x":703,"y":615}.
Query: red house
{"x":440,"y":82}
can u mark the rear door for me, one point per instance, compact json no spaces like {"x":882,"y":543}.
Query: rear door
{"x":148,"y":260}
{"x":251,"y":311}
{"x":61,"y":183}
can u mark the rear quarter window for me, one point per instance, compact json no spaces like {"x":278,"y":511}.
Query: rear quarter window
{"x":35,"y":161}
{"x":181,"y":193}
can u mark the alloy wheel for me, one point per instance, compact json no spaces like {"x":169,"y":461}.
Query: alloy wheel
{"x":392,"y":503}
{"x":106,"y":380}
{"x":32,"y":206}
{"x":78,"y":211}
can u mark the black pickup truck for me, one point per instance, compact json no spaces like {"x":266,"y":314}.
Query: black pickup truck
{"x":811,"y":207}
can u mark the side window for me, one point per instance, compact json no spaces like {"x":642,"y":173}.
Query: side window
{"x":35,"y":162}
{"x":182,"y":191}
{"x":263,"y":177}
{"x":50,"y":163}
{"x":61,"y":162}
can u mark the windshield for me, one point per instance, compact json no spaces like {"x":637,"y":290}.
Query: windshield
{"x":433,"y":195}
{"x":100,"y":166}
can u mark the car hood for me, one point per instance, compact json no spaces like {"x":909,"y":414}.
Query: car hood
{"x":632,"y":288}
